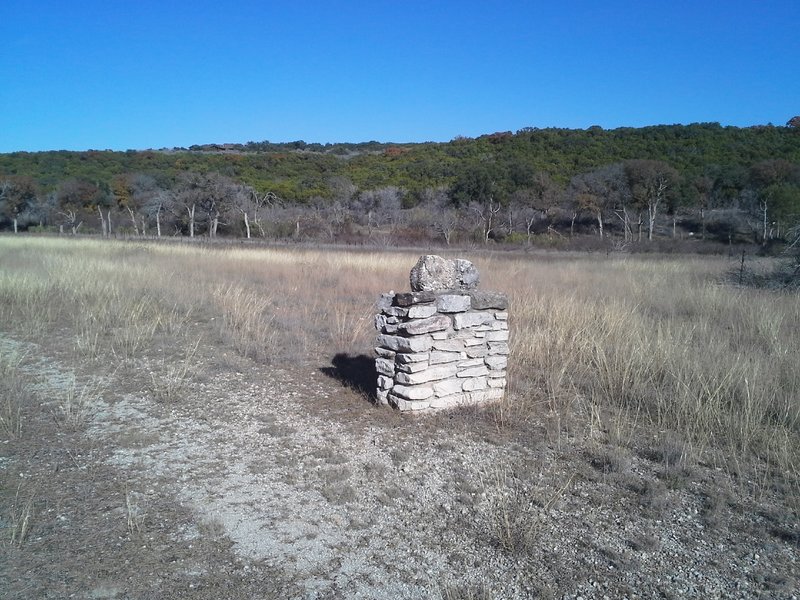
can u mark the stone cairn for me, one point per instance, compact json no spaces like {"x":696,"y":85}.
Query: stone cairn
{"x":445,"y":343}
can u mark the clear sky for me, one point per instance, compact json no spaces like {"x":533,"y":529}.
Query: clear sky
{"x":118,"y":74}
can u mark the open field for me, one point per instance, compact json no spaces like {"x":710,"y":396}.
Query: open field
{"x":193,"y":421}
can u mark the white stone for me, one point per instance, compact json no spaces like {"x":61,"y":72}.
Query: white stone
{"x":473,"y":341}
{"x":467,"y":275}
{"x":497,"y":383}
{"x":432,"y":273}
{"x":473,"y":362}
{"x":421,"y":311}
{"x":403,"y":344}
{"x":412,"y":367}
{"x":384,"y":382}
{"x":449,"y":345}
{"x":435,"y":323}
{"x":498,"y":348}
{"x":474,"y":371}
{"x":438,"y":357}
{"x":447,"y":387}
{"x":385,"y":324}
{"x":440,"y":335}
{"x":385,"y":301}
{"x":452,"y":303}
{"x":499,"y":325}
{"x":496,"y":362}
{"x":382,"y":397}
{"x":501,"y":316}
{"x":497,"y":336}
{"x":407,"y":405}
{"x":498,"y":373}
{"x":472,"y":319}
{"x":384,"y":366}
{"x":476,"y":383}
{"x":431,"y":374}
{"x":477,"y":351}
{"x":411,"y":358}
{"x":417,"y":392}
{"x":385,"y":353}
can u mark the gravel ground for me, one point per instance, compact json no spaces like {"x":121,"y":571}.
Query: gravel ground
{"x":264,"y":482}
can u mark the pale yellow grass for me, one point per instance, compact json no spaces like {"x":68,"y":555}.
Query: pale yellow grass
{"x":621,"y":343}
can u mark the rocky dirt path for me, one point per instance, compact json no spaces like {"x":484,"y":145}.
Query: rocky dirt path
{"x":282,"y":483}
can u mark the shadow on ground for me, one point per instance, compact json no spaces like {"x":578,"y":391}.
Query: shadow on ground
{"x":356,"y":372}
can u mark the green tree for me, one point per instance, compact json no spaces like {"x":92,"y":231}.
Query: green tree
{"x":773,"y":182}
{"x":76,"y":199}
{"x":17,"y":195}
{"x":475,"y":188}
{"x":652,"y":182}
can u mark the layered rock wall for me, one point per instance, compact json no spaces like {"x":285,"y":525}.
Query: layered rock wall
{"x":438,"y":349}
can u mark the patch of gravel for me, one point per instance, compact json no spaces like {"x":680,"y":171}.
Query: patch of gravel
{"x":352,"y":505}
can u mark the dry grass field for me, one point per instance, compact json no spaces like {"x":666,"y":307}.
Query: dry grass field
{"x":195,"y":421}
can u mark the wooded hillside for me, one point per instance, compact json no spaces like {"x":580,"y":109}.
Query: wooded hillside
{"x":700,"y":180}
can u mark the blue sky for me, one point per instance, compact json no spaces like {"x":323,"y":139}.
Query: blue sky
{"x":148,"y":74}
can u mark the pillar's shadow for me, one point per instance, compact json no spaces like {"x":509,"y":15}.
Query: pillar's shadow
{"x":356,"y":372}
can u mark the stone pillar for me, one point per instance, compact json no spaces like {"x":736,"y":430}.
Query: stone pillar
{"x":440,"y":348}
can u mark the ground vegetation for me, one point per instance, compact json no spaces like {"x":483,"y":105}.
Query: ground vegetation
{"x":700,"y":182}
{"x":195,"y":420}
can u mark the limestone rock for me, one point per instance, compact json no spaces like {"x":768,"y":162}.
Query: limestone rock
{"x":452,"y":303}
{"x":474,"y":372}
{"x":497,"y":336}
{"x":417,"y":327}
{"x":385,"y":300}
{"x":484,"y":300}
{"x":412,"y":358}
{"x":422,"y":311}
{"x":473,"y":385}
{"x":384,"y":366}
{"x":433,"y":273}
{"x":414,"y":367}
{"x":432,"y":374}
{"x":419,"y":392}
{"x":467,"y":275}
{"x":412,"y":298}
{"x":497,"y":362}
{"x":402,"y":344}
{"x":447,"y":387}
{"x":498,"y":348}
{"x":439,"y":357}
{"x":472,"y":319}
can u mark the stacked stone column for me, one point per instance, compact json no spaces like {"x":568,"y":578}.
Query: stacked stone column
{"x":439,"y":349}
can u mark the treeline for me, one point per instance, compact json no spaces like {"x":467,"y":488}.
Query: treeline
{"x":702,"y":180}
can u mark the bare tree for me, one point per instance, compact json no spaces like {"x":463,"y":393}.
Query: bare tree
{"x":249,"y":201}
{"x":589,"y":193}
{"x":76,"y":199}
{"x":486,"y":214}
{"x":205,"y":195}
{"x":377,"y":208}
{"x":650,"y":181}
{"x":447,"y":221}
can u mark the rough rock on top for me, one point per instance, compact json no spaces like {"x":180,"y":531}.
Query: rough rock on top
{"x":467,"y":275}
{"x":432,"y":273}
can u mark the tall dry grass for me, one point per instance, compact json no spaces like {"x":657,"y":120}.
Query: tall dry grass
{"x":665,"y":342}
{"x":657,"y":342}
